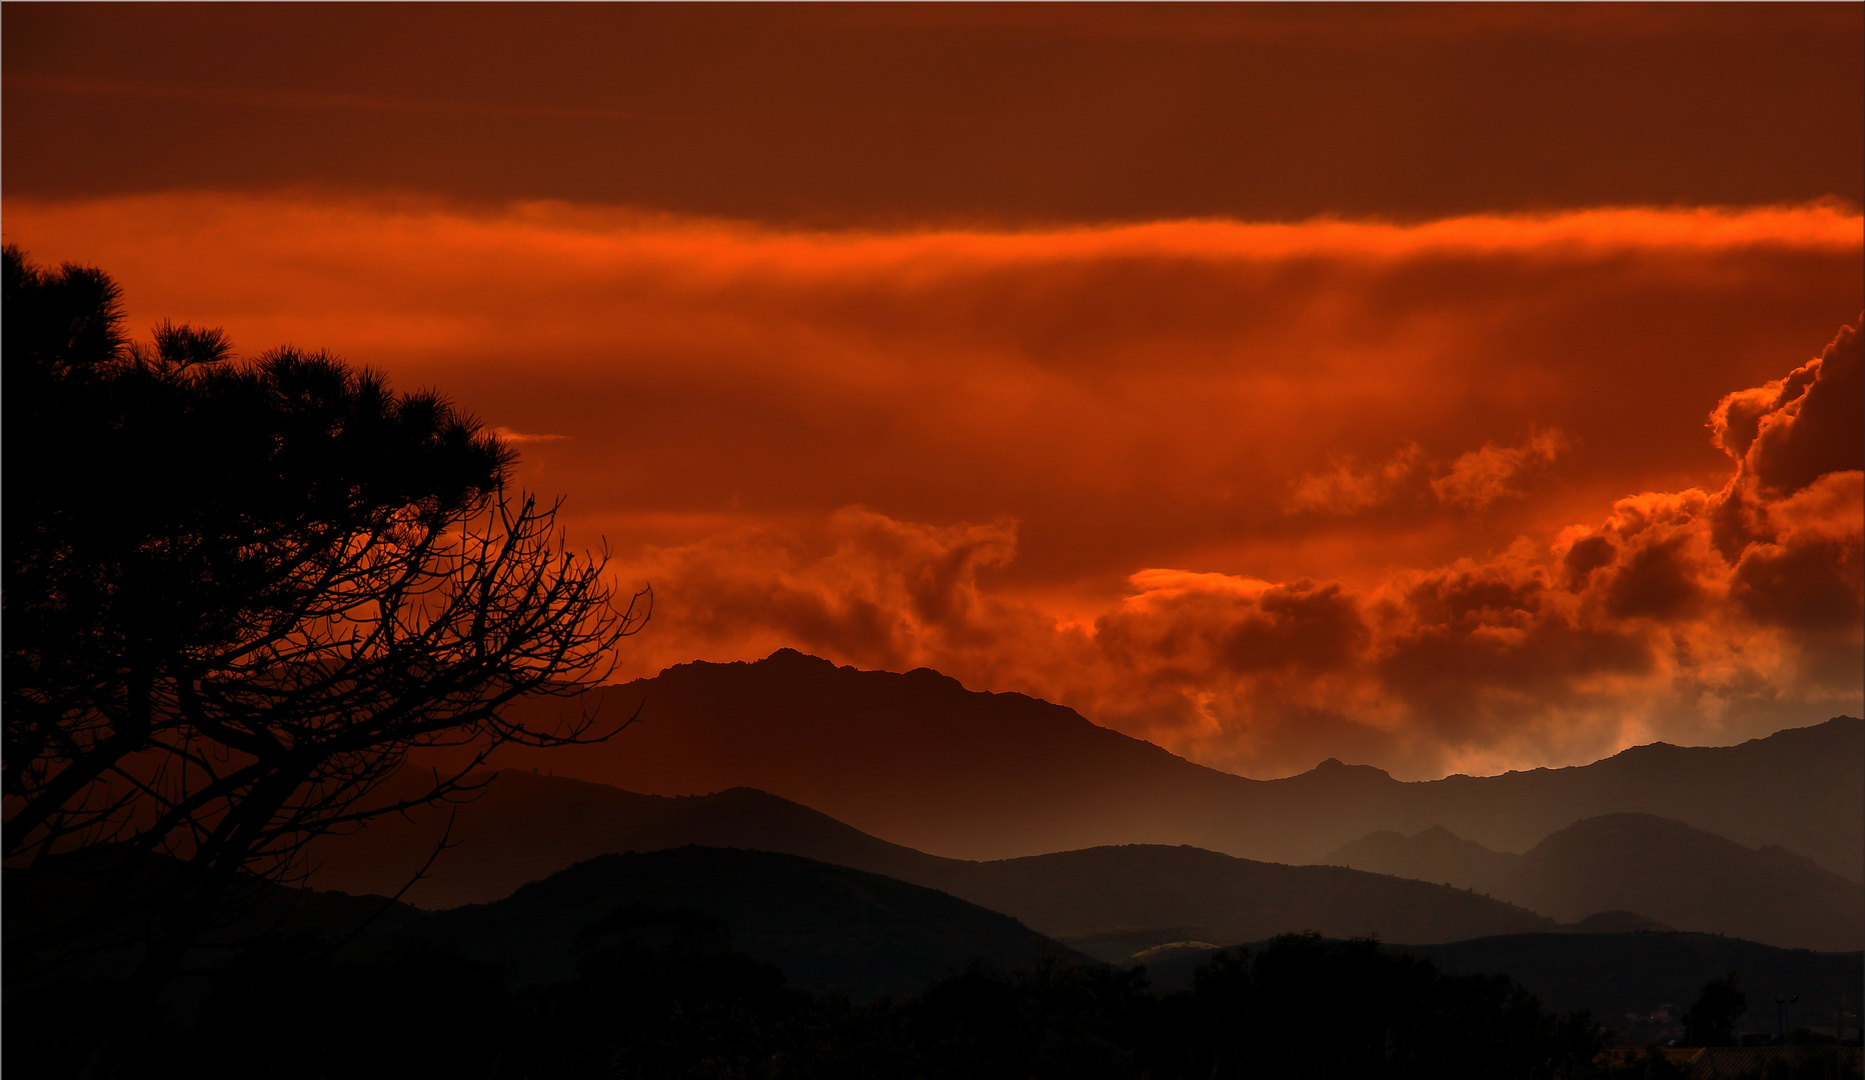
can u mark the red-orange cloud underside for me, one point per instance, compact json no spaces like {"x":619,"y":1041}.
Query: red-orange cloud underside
{"x":1261,"y":493}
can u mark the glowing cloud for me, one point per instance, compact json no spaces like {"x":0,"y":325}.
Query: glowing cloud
{"x":1482,"y":476}
{"x":1262,"y":493}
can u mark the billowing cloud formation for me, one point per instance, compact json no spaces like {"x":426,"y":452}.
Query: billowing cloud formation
{"x":860,"y":585}
{"x":1788,"y":521}
{"x":1261,"y":493}
{"x":1654,"y":620}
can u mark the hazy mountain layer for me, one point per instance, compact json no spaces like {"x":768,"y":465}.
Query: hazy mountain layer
{"x":1687,"y":878}
{"x":921,"y":761}
{"x":526,"y":826}
{"x":1098,"y":889}
{"x":1074,"y":892}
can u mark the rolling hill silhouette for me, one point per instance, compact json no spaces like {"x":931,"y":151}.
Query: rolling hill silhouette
{"x":526,"y":826}
{"x":1067,"y":893}
{"x":1094,"y":890}
{"x":921,"y":761}
{"x":827,"y":927}
{"x":1687,"y":878}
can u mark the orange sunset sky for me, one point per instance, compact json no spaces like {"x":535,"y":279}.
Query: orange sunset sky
{"x":1440,"y":388}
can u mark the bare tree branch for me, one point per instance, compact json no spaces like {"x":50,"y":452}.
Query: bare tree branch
{"x":237,"y":597}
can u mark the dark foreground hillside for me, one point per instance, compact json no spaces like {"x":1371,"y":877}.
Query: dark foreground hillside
{"x":715,"y":963}
{"x":663,"y":994}
{"x":829,"y":928}
{"x":115,"y":934}
{"x":1640,"y":984}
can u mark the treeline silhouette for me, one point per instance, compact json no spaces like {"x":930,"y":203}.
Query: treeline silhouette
{"x":662,"y":994}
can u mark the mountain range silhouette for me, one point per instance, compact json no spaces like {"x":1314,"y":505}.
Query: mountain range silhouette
{"x":794,"y":803}
{"x":919,"y":760}
{"x":527,"y":826}
{"x":1433,"y":887}
{"x":864,"y":831}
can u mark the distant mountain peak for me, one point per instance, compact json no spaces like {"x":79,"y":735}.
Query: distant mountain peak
{"x":1336,"y":767}
{"x":787,"y":655}
{"x":784,"y":659}
{"x":926,"y":674}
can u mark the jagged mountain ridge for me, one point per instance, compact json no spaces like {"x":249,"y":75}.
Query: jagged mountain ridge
{"x":918,"y":759}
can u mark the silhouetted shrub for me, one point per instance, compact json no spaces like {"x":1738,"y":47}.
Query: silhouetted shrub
{"x":1711,"y":1021}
